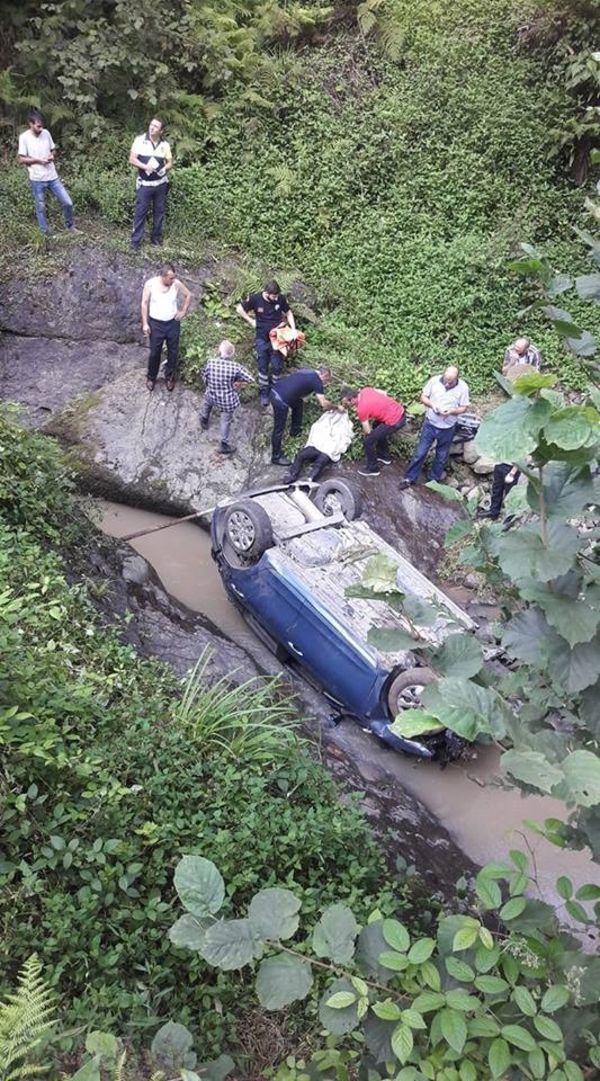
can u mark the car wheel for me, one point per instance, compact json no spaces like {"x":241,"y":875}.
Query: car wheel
{"x":247,"y":528}
{"x":337,"y":496}
{"x":406,"y":688}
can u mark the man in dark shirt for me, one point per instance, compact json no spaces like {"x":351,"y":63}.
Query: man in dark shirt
{"x":289,"y":394}
{"x":264,"y":311}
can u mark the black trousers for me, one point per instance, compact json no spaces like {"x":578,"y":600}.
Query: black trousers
{"x":309,"y":454}
{"x":500,"y":487}
{"x":146,"y":199}
{"x":280,"y":412}
{"x":162,"y":331}
{"x":376,"y":442}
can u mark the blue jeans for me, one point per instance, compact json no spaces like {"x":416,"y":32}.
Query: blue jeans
{"x":267,"y":358}
{"x":442,"y":437}
{"x":39,"y":188}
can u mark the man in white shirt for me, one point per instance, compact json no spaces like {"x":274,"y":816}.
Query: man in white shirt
{"x":151,"y":156}
{"x":161,"y":321}
{"x":36,"y":152}
{"x":446,"y":397}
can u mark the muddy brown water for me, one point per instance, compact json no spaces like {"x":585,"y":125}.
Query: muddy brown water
{"x":485,"y":819}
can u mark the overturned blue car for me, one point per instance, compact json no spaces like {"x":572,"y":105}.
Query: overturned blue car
{"x":287,"y":556}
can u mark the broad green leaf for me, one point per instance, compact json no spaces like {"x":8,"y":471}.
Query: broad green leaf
{"x":104,"y":1044}
{"x":334,"y":935}
{"x":340,"y":999}
{"x":428,"y":1001}
{"x":413,"y":1019}
{"x":391,"y":639}
{"x":371,"y":944}
{"x":564,"y":887}
{"x":430,"y":976}
{"x":567,"y":490}
{"x":415,"y":722}
{"x":172,"y":1045}
{"x":572,"y":1071}
{"x":525,"y":1001}
{"x":273,"y":914}
{"x":486,"y":938}
{"x":90,"y":1071}
{"x":189,"y":932}
{"x":548,"y":1028}
{"x":537,"y":1063}
{"x":420,"y":612}
{"x":396,"y":962}
{"x":555,"y":998}
{"x":445,"y":490}
{"x":583,"y":346}
{"x":491,"y":985}
{"x":522,"y":553}
{"x":512,"y":909}
{"x":396,"y":935}
{"x":199,"y":885}
{"x":281,"y":980}
{"x":465,"y":938}
{"x":457,"y":531}
{"x":509,"y":433}
{"x":459,"y":970}
{"x":575,"y":668}
{"x":216,"y":1069}
{"x":499,"y":1057}
{"x":454,"y":1028}
{"x":588,"y":286}
{"x":530,"y":382}
{"x":569,"y":428}
{"x":461,"y":1000}
{"x":387,"y":1010}
{"x":488,"y":890}
{"x":484,"y":1027}
{"x":575,"y":620}
{"x":380,"y":574}
{"x":402,"y":1042}
{"x":486,"y":959}
{"x":229,"y":944}
{"x":459,"y":655}
{"x":532,"y":768}
{"x":466,"y":708}
{"x":421,"y":951}
{"x":581,"y":770}
{"x":524,"y":636}
{"x":519,"y":1037}
{"x":467,"y":1071}
{"x":339,"y":1021}
{"x":589,"y":892}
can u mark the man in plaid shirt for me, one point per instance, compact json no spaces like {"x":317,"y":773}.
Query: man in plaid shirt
{"x":221,"y":377}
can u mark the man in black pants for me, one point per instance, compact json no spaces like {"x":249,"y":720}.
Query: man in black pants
{"x":289,"y":395}
{"x":161,"y":321}
{"x":151,"y":156}
{"x":505,"y":477}
{"x":263,"y":312}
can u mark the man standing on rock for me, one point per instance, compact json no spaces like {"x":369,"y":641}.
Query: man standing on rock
{"x":36,"y":151}
{"x":222,"y":377}
{"x":161,"y":319}
{"x":389,"y":416}
{"x":446,"y":397}
{"x":269,"y":308}
{"x":151,"y":156}
{"x":289,"y":394}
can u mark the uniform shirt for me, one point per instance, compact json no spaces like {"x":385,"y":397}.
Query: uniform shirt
{"x":444,"y":398}
{"x":532,"y":356}
{"x":163,"y":302}
{"x":155,"y":154}
{"x":268,"y":313}
{"x":374,"y":404}
{"x":38,"y":146}
{"x":219,"y":375}
{"x":297,"y":385}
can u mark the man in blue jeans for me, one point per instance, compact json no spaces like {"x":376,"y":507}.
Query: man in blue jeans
{"x":446,"y":397}
{"x":36,"y":152}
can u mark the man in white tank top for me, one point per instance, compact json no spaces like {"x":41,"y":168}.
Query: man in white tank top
{"x":161,"y":318}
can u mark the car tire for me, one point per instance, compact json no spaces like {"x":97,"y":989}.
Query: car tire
{"x":399,"y":691}
{"x":333,"y":496}
{"x":247,"y":528}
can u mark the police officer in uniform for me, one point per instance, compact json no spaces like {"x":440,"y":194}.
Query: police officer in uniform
{"x":264,"y":311}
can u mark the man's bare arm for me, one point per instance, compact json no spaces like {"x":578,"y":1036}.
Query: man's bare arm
{"x":328,"y":406}
{"x":245,"y":316}
{"x":187,"y":296}
{"x":24,"y":159}
{"x":145,"y":307}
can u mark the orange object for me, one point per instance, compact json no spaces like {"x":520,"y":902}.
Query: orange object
{"x":285,"y":340}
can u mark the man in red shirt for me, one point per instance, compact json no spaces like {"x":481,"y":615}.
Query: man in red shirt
{"x":380,"y":416}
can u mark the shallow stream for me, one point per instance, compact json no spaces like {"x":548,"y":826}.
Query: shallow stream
{"x":484,"y":819}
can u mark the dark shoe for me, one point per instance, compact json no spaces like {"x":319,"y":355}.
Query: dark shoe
{"x":150,"y":383}
{"x":282,"y":460}
{"x":226,"y":448}
{"x":170,"y":382}
{"x":404,"y":483}
{"x":366,"y":472}
{"x":385,"y":461}
{"x":204,"y":424}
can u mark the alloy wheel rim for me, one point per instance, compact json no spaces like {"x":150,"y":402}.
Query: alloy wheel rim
{"x":241,"y":531}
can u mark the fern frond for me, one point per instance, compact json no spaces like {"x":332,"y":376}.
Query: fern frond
{"x":24,"y":1017}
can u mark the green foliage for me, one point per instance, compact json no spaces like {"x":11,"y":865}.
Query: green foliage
{"x":25,"y":1018}
{"x":410,"y":1006}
